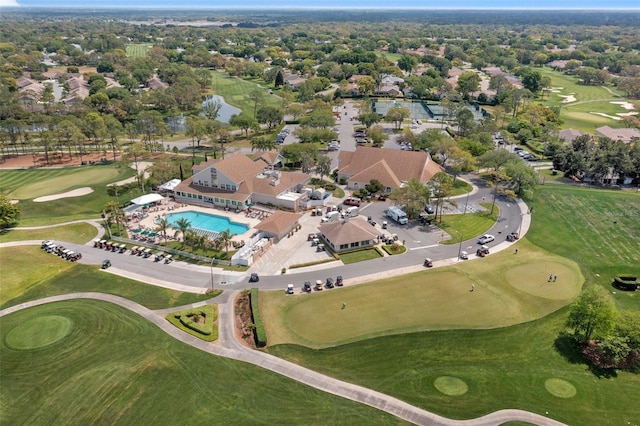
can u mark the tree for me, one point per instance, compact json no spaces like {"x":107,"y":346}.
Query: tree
{"x":377,"y":135}
{"x":162,"y":226}
{"x":532,"y":81}
{"x":374,"y":186}
{"x":593,"y":314}
{"x":136,"y":153}
{"x":366,"y":85}
{"x":496,"y":158}
{"x":181,"y":226}
{"x":323,"y":168}
{"x":113,"y":129}
{"x":441,"y":184}
{"x":296,"y":110}
{"x":279,"y":79}
{"x":369,"y":118}
{"x":270,"y":115}
{"x":224,"y":240}
{"x":211,"y":108}
{"x":408,"y":62}
{"x":262,"y":144}
{"x":244,"y":121}
{"x":257,"y":96}
{"x":522,"y":178}
{"x":468,"y":82}
{"x":413,"y":196}
{"x":9,"y":212}
{"x":465,"y":121}
{"x":113,"y":212}
{"x":397,"y":115}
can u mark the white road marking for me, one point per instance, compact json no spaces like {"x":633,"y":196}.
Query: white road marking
{"x":423,"y":247}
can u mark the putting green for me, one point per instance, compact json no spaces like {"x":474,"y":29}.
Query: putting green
{"x":560,"y":388}
{"x":451,"y":386}
{"x":58,"y":184}
{"x":533,"y":278}
{"x":39,"y":332}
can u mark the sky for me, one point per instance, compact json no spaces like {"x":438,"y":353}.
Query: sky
{"x":330,"y":4}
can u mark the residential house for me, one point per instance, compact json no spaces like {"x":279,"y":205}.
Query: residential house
{"x":238,"y":181}
{"x":29,"y":91}
{"x":155,"y":83}
{"x":293,"y":81}
{"x":568,"y":135}
{"x":393,"y":168}
{"x":626,"y":135}
{"x":494,"y":71}
{"x":348,"y":234}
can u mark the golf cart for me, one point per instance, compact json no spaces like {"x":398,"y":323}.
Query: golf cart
{"x":289,"y":288}
{"x":106,"y":264}
{"x":306,"y":287}
{"x":339,"y":281}
{"x":254,"y":278}
{"x":464,"y":255}
{"x":318,"y":286}
{"x":168,"y":258}
{"x":513,"y":237}
{"x":482,"y":251}
{"x":428,"y":262}
{"x":329,"y":283}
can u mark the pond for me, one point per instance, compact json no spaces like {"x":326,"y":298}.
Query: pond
{"x":177,"y":123}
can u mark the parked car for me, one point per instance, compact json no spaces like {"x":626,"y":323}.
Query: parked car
{"x":382,"y":197}
{"x":352,"y":201}
{"x":429,"y":209}
{"x":486,"y":238}
{"x":254,"y":278}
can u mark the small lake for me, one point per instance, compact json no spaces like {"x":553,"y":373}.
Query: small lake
{"x":226,"y":110}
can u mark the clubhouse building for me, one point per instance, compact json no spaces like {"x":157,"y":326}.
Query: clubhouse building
{"x":238,"y":182}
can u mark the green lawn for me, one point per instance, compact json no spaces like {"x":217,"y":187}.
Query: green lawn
{"x":138,"y":50}
{"x":502,"y":368}
{"x":78,"y":233}
{"x":469,"y":225}
{"x":101,"y":364}
{"x":26,"y":185}
{"x":359,"y":256}
{"x":598,"y":229}
{"x":29,"y":273}
{"x":579,"y":114}
{"x":509,"y":290}
{"x":236,"y":92}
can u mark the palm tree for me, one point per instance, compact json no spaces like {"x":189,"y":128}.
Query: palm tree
{"x":163,"y":225}
{"x":113,"y":212}
{"x":224,"y":239}
{"x":181,"y":226}
{"x":191,"y":239}
{"x":201,"y":242}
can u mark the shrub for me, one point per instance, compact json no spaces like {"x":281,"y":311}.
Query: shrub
{"x":260,"y":333}
{"x":184,"y":320}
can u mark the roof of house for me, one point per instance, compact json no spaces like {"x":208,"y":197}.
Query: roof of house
{"x":348,"y":231}
{"x":389,"y":164}
{"x":155,"y":83}
{"x":625,"y":135}
{"x":23,"y":81}
{"x":269,"y":157}
{"x":568,"y":135}
{"x":278,"y":222}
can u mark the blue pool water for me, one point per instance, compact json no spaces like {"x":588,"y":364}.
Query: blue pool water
{"x":208,"y":222}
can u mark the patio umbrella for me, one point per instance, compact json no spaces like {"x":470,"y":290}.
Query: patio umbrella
{"x":145,"y":232}
{"x":152,"y":234}
{"x":136,"y":231}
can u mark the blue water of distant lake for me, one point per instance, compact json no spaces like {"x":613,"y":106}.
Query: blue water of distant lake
{"x":209,"y":222}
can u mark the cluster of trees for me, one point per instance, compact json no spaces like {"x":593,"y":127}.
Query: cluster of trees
{"x":596,"y":159}
{"x":609,"y":339}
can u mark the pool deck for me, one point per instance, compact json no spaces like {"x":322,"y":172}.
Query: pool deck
{"x":169,"y":207}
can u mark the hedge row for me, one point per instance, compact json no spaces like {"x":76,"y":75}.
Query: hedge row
{"x":260,"y":333}
{"x":207,"y":331}
{"x":315,"y":262}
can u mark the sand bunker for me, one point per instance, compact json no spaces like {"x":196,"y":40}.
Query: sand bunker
{"x":556,"y":89}
{"x":75,"y":193}
{"x":623,"y":104}
{"x":602,"y":114}
{"x":567,"y":98}
{"x":627,"y":114}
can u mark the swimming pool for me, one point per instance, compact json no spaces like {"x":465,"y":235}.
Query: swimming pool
{"x":208,"y":222}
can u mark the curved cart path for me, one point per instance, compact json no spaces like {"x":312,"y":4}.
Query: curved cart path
{"x":228,"y":347}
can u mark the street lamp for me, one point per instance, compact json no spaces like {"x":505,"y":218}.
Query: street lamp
{"x":211,"y":269}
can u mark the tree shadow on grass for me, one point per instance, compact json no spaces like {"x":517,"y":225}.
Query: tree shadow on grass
{"x":571,"y":349}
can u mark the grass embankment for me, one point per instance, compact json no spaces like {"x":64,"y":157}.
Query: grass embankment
{"x":579,"y":114}
{"x":237,"y":92}
{"x":25,"y":185}
{"x":110,"y":366}
{"x":511,"y":367}
{"x":78,"y":233}
{"x":29,"y":273}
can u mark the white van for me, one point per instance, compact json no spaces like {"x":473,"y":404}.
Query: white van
{"x":331,"y":216}
{"x":352,"y":211}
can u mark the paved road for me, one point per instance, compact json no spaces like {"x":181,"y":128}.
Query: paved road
{"x":228,"y":347}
